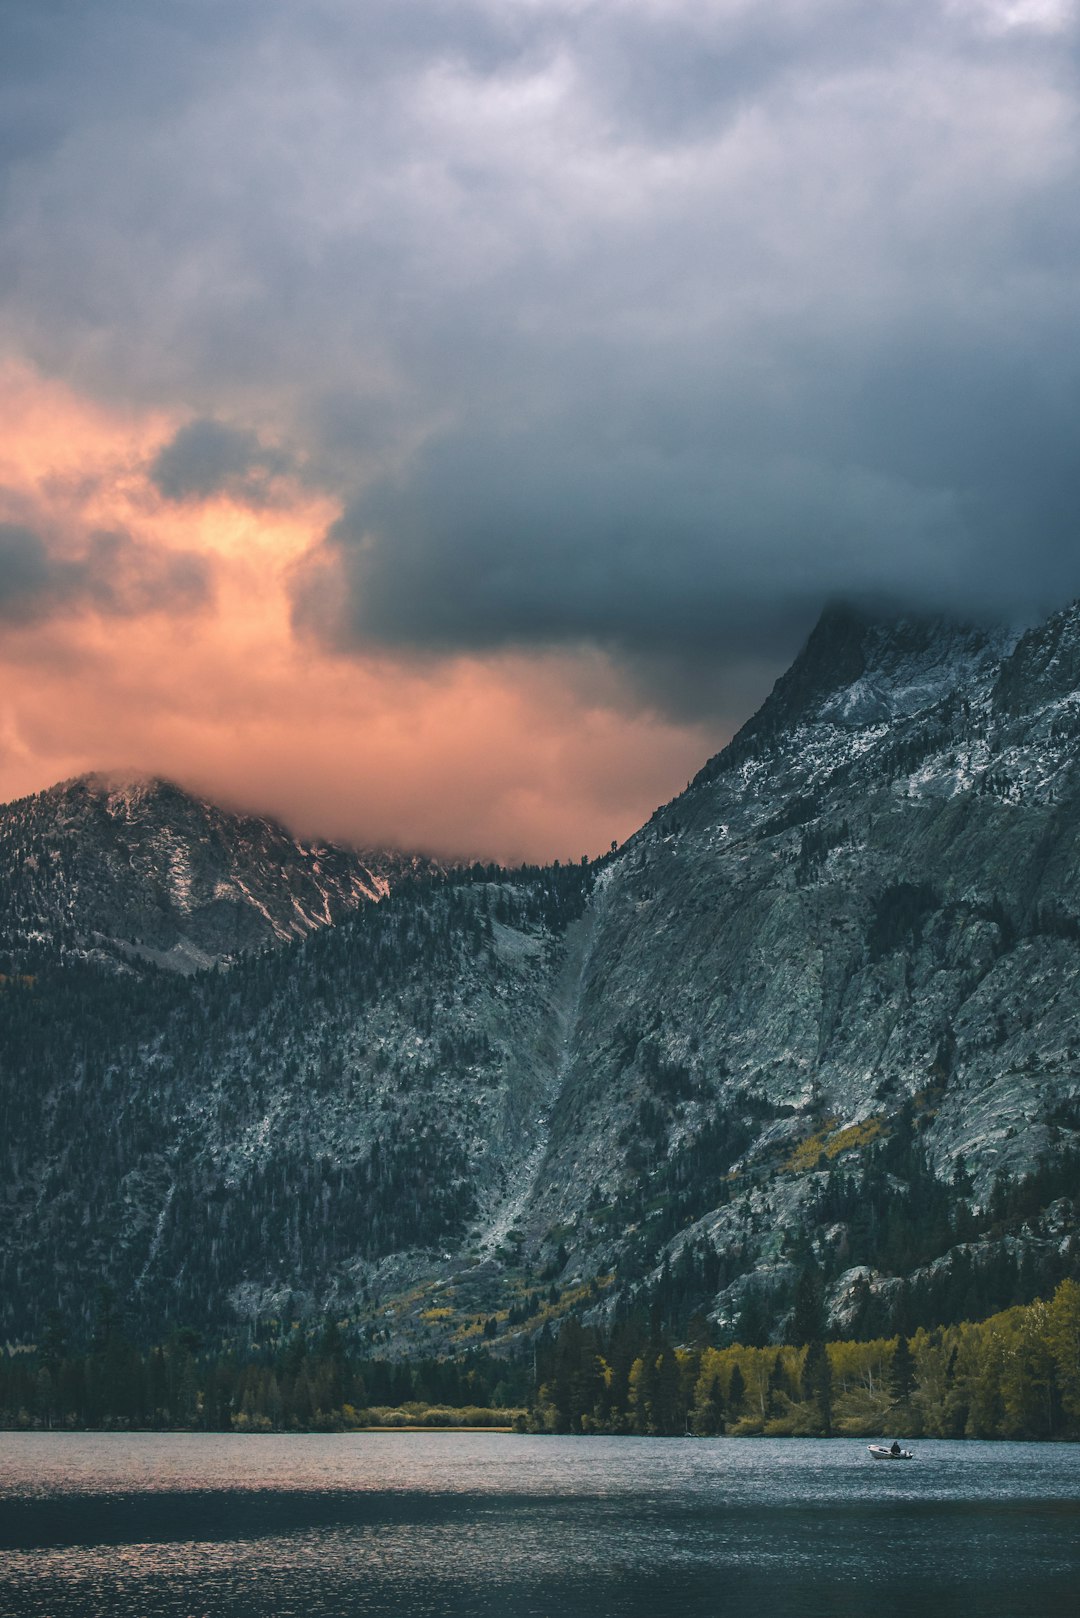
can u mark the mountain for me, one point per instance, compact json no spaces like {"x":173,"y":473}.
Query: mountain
{"x":807,"y":1042}
{"x":131,"y":870}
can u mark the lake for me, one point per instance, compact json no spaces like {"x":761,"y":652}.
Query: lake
{"x":463,"y":1525}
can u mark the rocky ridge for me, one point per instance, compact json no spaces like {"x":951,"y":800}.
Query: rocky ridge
{"x":135,"y":869}
{"x":816,"y":1019}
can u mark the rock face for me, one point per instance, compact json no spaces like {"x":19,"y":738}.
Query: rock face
{"x":868,"y":906}
{"x":137,"y":869}
{"x":815,"y":1026}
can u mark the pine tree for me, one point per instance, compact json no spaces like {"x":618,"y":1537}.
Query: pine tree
{"x":817,"y":1384}
{"x":808,"y":1314}
{"x":901,"y":1372}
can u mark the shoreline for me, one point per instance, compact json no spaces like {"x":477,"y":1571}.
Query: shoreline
{"x":503,"y":1432}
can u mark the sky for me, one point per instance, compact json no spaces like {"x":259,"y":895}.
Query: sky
{"x":438,"y":423}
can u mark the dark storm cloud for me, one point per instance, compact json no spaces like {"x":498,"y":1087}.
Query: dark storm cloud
{"x":548,"y":538}
{"x":644,"y":325}
{"x":684,"y":555}
{"x":24,"y":570}
{"x":208,"y":457}
{"x":111,"y":574}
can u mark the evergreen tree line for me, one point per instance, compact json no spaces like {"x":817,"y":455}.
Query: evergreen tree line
{"x":283,"y":1380}
{"x":951,"y":1257}
{"x":1015,"y":1375}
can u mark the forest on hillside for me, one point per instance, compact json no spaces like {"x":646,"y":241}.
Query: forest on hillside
{"x":122,"y":1094}
{"x":1014,"y":1375}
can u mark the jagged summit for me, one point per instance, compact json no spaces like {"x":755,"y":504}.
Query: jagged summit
{"x":835,"y":655}
{"x":1044,"y":666}
{"x":135,"y":867}
{"x":861,"y":667}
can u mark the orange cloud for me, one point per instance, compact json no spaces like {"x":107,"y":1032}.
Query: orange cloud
{"x":509,"y":757}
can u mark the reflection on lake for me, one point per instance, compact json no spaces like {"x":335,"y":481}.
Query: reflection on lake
{"x":455,"y":1525}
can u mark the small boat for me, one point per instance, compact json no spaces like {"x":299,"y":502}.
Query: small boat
{"x":882,"y":1452}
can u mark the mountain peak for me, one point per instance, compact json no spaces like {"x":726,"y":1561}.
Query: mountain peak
{"x":860,"y":667}
{"x":1044,"y":665}
{"x":834,"y":655}
{"x":134,"y":867}
{"x":116,"y":790}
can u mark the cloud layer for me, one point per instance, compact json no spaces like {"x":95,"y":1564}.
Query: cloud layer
{"x":206,"y":457}
{"x":114,"y":576}
{"x":621,"y":333}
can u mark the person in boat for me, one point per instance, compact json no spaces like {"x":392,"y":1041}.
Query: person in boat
{"x":895,"y":1447}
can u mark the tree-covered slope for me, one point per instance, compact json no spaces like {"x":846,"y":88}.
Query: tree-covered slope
{"x":209,"y":1146}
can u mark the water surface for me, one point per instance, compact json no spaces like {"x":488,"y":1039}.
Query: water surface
{"x":460,"y":1525}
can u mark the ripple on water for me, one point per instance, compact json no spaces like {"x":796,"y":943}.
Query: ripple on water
{"x":153,"y":1525}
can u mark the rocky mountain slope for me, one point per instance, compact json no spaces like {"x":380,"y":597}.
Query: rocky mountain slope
{"x":807,"y":1042}
{"x":135,"y":869}
{"x":860,"y":922}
